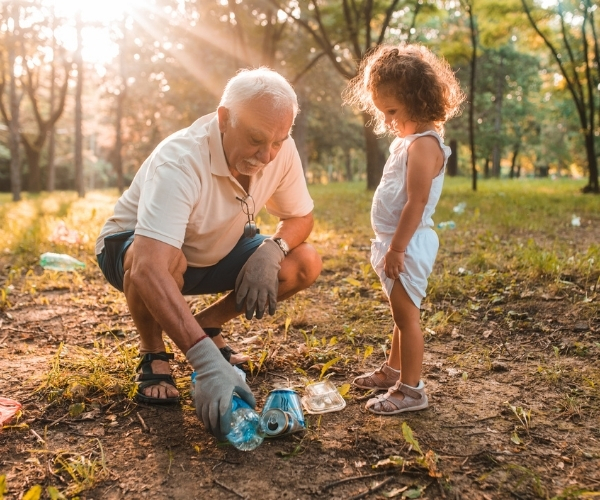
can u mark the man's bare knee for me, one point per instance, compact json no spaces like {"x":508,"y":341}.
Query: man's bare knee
{"x":305,"y":266}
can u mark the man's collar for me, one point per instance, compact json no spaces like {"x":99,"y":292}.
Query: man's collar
{"x":218,"y":163}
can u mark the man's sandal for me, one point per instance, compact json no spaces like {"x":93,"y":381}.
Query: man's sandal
{"x":381,"y":379}
{"x":226,"y":351}
{"x":147,"y":378}
{"x":389,"y":404}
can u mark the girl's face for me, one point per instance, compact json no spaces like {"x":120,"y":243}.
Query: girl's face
{"x":396,"y":118}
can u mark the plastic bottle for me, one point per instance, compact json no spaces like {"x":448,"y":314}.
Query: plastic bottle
{"x":450,"y":224}
{"x":246,"y":432}
{"x":60,"y":262}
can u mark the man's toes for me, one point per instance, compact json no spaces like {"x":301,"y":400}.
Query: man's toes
{"x":161,"y":390}
{"x":237,"y":359}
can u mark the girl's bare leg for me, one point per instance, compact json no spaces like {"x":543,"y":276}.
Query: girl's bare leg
{"x":407,"y":318}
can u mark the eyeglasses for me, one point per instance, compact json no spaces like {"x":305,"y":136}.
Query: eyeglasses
{"x":250,"y":229}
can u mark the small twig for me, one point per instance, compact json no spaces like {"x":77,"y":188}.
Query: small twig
{"x":37,"y":436}
{"x":3,"y":339}
{"x":516,"y":495}
{"x":231,"y":490}
{"x":458,"y":426}
{"x":144,"y":426}
{"x":374,"y":488}
{"x":486,"y":418}
{"x":280,"y":376}
{"x":120,"y":344}
{"x":58,"y":420}
{"x":58,"y":476}
{"x":19,"y":330}
{"x":353,"y":478}
{"x":368,"y":395}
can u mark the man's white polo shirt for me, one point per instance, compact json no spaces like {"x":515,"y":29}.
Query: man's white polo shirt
{"x":185,"y":195}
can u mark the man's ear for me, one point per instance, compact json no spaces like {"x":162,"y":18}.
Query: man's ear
{"x":223,"y":116}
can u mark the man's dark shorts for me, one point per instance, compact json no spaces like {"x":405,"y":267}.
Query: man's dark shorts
{"x":196,"y":280}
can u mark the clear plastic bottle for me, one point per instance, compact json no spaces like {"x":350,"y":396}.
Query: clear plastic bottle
{"x":60,"y":262}
{"x":246,"y":432}
{"x":450,"y":224}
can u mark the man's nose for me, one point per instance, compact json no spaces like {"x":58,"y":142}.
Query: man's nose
{"x":264,"y":154}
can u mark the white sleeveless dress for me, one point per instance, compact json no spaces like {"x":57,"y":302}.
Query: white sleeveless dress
{"x":389,"y":200}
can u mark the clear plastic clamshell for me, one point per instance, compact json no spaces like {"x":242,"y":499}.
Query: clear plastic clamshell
{"x":322,"y":397}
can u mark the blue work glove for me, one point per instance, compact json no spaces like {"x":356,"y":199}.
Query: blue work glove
{"x":258,"y":281}
{"x":216,"y":381}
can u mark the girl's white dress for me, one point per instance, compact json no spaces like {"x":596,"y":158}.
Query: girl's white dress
{"x":388,"y":202}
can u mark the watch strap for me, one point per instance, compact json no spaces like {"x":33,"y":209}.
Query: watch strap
{"x":283,"y":245}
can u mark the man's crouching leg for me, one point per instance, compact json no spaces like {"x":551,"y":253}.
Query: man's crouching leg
{"x":150,"y":331}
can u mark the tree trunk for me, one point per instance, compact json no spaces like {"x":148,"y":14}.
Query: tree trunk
{"x":79,"y":178}
{"x":375,"y":158}
{"x":33,"y":153}
{"x":50,"y":169}
{"x":452,"y":166}
{"x":473,"y":31}
{"x":348,"y":154}
{"x":513,"y":162}
{"x":14,"y":132}
{"x":486,"y":168}
{"x":592,"y":186}
{"x":300,"y":130}
{"x":497,"y":149}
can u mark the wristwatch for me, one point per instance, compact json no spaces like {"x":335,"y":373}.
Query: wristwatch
{"x":283,"y":245}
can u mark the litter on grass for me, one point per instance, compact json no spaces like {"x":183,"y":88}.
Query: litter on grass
{"x":8,"y":409}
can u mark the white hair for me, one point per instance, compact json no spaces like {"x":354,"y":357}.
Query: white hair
{"x":250,"y":84}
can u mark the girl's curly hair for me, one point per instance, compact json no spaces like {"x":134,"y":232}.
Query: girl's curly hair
{"x":423,"y":83}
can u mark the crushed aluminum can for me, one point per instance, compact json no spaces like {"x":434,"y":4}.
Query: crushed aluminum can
{"x":276,"y":422}
{"x":282,"y":413}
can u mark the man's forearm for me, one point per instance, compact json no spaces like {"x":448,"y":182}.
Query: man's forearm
{"x":295,"y":230}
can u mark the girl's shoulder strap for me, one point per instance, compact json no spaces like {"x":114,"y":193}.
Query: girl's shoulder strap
{"x":433,"y":133}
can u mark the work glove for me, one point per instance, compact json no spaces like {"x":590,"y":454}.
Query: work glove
{"x":258,"y":281}
{"x":216,"y":381}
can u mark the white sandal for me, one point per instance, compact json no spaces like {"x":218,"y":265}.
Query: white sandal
{"x":388,"y":404}
{"x":381,"y":379}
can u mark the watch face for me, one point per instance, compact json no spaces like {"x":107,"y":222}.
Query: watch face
{"x":283,"y":245}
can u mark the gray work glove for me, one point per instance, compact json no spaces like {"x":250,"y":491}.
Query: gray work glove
{"x":258,"y":281}
{"x":216,"y":381}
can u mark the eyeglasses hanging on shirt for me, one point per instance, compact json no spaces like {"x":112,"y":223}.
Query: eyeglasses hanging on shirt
{"x":250,"y":228}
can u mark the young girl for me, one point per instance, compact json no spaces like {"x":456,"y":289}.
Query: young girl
{"x":410,"y":93}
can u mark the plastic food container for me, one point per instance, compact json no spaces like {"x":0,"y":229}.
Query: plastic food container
{"x":322,"y":397}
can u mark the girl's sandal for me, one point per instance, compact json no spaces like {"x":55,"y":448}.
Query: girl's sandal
{"x":379,"y":380}
{"x":390,"y":404}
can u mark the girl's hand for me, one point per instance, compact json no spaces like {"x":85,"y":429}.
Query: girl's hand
{"x":393,"y":263}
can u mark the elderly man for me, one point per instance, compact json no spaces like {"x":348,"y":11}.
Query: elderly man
{"x":186,"y":227}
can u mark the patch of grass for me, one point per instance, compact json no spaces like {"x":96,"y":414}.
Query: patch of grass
{"x":78,"y":373}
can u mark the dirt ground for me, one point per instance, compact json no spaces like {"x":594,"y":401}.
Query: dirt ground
{"x":535,"y":349}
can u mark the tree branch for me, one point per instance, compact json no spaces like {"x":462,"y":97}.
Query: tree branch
{"x":388,"y":17}
{"x":576,"y":97}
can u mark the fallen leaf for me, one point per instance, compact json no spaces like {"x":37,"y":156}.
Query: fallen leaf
{"x":352,"y":281}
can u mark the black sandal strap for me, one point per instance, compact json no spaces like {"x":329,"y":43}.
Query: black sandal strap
{"x":155,"y":376}
{"x":151,"y":356}
{"x":227,"y":352}
{"x":212,"y":332}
